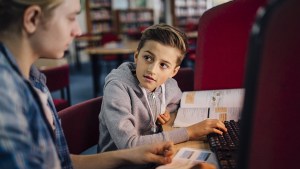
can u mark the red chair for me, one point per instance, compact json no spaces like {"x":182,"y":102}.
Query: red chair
{"x":58,"y":79}
{"x":107,"y":38}
{"x":223,"y":34}
{"x":80,"y":124}
{"x":270,"y":119}
{"x":185,"y":79}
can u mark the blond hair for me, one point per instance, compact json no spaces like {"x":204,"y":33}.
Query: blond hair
{"x":11,"y":11}
{"x":166,"y":35}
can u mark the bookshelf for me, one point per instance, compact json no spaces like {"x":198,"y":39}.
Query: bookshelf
{"x":99,"y":16}
{"x":131,"y":22}
{"x":186,"y":13}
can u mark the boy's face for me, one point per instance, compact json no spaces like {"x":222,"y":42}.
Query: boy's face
{"x":155,"y":63}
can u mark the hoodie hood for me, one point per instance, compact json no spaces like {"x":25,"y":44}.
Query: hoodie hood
{"x":125,"y":73}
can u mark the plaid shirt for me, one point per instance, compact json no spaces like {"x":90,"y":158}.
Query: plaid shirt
{"x":26,"y":137}
{"x":38,"y":80}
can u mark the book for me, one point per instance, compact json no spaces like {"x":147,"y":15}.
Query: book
{"x":196,"y":106}
{"x":186,"y":158}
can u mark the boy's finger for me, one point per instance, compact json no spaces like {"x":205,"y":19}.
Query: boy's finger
{"x":160,"y":120}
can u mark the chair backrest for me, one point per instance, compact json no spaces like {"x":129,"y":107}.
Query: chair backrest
{"x":58,"y":78}
{"x":185,"y":79}
{"x":109,"y":37}
{"x":270,"y":117}
{"x":80,"y":124}
{"x":223,"y":34}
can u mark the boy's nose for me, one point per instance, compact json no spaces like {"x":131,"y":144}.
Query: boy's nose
{"x":152,"y":68}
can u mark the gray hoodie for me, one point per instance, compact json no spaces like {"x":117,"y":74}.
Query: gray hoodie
{"x":125,"y":119}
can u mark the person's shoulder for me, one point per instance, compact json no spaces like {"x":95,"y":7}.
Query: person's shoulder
{"x":172,"y":87}
{"x":118,"y":84}
{"x":8,"y":77}
{"x":171,"y":82}
{"x":12,"y":86}
{"x":124,"y":74}
{"x":8,"y":70}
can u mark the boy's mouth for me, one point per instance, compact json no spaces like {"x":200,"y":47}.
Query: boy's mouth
{"x":149,"y":78}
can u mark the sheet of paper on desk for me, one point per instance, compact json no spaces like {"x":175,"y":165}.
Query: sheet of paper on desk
{"x":188,"y":157}
{"x":196,"y":106}
{"x":187,"y":116}
{"x":212,"y":98}
{"x":225,"y":113}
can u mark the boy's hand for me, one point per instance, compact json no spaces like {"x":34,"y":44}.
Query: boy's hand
{"x":164,"y":118}
{"x":205,"y":127}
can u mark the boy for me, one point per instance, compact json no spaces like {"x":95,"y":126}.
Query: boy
{"x":136,"y":94}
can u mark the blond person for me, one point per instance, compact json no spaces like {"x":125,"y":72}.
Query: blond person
{"x":30,"y":132}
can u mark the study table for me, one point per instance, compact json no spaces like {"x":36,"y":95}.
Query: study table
{"x":43,"y":63}
{"x":199,"y":144}
{"x":97,"y":53}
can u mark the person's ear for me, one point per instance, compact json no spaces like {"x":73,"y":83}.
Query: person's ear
{"x":136,"y":54}
{"x":31,"y":18}
{"x":175,"y":71}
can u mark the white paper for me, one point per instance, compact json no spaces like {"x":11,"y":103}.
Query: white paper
{"x":212,"y":98}
{"x":225,"y":113}
{"x":188,"y":157}
{"x":186,"y":116}
{"x":196,"y":106}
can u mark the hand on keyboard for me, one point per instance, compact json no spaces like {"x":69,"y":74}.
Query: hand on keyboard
{"x":205,"y":127}
{"x":226,"y":146}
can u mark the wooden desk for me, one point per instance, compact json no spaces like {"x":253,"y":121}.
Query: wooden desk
{"x":43,"y":63}
{"x":96,"y":53}
{"x":200,"y":144}
{"x":88,"y":38}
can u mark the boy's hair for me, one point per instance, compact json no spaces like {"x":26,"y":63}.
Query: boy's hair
{"x":166,"y":35}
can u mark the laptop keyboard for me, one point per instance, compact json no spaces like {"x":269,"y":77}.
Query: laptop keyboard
{"x":226,"y":146}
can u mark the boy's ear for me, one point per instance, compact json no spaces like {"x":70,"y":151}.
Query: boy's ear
{"x":136,"y":53}
{"x":31,"y":18}
{"x":175,"y":71}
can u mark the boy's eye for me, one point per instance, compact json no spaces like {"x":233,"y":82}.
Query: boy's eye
{"x":148,"y":58}
{"x":164,"y":66}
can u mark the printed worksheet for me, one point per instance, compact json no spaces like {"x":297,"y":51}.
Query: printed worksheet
{"x":188,"y":157}
{"x":189,"y":116}
{"x":212,"y":98}
{"x":196,"y":106}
